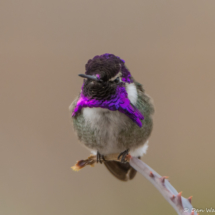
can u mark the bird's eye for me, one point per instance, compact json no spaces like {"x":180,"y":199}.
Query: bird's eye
{"x":117,"y":80}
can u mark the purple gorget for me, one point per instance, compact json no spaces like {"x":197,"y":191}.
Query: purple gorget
{"x":118,"y":102}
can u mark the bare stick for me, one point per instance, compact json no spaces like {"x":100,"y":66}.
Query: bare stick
{"x":181,"y":205}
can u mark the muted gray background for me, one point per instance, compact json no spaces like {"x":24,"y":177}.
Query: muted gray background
{"x":169,"y":47}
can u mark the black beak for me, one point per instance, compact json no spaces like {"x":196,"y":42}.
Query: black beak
{"x":92,"y":77}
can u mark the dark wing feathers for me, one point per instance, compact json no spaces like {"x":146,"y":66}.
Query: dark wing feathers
{"x":122,"y":171}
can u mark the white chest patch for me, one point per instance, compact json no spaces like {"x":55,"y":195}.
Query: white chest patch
{"x":132,"y":92}
{"x":106,"y":125}
{"x":102,"y":119}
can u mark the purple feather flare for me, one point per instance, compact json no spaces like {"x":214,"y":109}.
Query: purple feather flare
{"x":119,"y":102}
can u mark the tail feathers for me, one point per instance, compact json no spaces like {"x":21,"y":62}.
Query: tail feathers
{"x":122,"y":171}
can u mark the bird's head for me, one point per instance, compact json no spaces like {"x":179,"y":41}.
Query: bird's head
{"x":104,"y":74}
{"x":106,"y":78}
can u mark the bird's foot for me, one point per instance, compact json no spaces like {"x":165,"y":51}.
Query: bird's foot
{"x":123,"y":155}
{"x":100,"y":158}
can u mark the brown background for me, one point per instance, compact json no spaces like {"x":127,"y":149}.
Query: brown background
{"x":169,"y":47}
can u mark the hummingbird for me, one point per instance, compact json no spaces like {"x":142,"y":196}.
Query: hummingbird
{"x":112,"y":113}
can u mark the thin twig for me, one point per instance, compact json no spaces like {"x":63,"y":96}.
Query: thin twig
{"x":181,"y":205}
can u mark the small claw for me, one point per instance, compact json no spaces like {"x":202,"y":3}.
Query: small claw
{"x":120,"y":155}
{"x":98,"y":157}
{"x":123,"y":155}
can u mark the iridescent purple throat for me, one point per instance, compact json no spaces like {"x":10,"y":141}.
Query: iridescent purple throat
{"x":118,"y":102}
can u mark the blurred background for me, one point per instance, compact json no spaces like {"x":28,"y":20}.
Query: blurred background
{"x":169,"y":47}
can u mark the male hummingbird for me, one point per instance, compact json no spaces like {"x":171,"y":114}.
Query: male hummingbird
{"x":112,"y":113}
